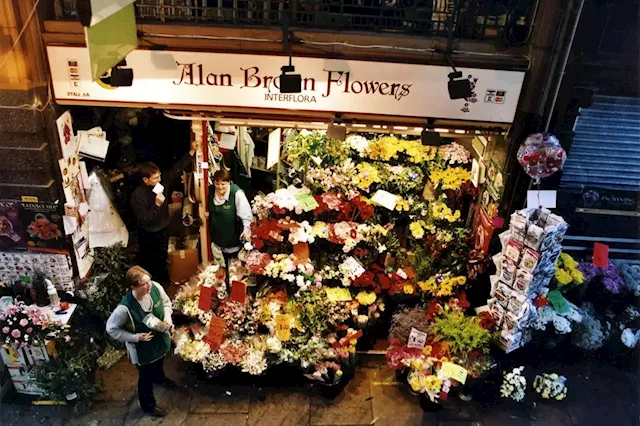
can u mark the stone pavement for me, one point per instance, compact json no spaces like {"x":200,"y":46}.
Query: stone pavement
{"x":597,"y":396}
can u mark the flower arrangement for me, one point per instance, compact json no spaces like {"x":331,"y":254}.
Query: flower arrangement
{"x":441,"y":285}
{"x":454,"y":153}
{"x":449,"y":178}
{"x":551,"y":386}
{"x":630,"y":273}
{"x":24,"y":326}
{"x":514,"y":385}
{"x":608,"y":277}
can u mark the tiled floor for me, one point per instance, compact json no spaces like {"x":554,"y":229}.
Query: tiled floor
{"x":597,"y":396}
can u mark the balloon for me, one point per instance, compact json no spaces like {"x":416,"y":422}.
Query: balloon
{"x":541,"y":155}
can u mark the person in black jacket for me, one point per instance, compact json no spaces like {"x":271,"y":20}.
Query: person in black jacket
{"x":152,"y":214}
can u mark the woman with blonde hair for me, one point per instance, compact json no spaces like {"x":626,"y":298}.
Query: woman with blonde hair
{"x":143,"y":322}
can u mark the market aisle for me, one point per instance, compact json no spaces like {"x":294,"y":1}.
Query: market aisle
{"x":598,"y":396}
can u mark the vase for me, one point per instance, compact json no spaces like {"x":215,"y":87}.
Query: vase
{"x":402,"y":374}
{"x":427,"y":405}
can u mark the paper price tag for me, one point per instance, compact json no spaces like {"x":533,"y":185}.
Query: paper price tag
{"x":337,"y":294}
{"x":385,"y":199}
{"x":301,"y":252}
{"x":215,"y":336}
{"x":402,"y":274}
{"x":417,"y":339}
{"x":307,"y":202}
{"x":204,"y":301}
{"x":354,"y":267}
{"x":283,"y":327}
{"x":601,"y":255}
{"x":239,"y":292}
{"x":453,"y":371}
{"x":204,"y":165}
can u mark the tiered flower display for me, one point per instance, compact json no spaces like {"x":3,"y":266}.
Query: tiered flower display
{"x":358,"y":225}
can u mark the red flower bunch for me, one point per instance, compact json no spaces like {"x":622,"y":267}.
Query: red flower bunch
{"x":397,"y":354}
{"x":486,"y":320}
{"x":434,"y":308}
{"x":365,"y":209}
{"x":459,"y":303}
{"x":374,"y":278}
{"x":256,"y":262}
{"x":266,"y":230}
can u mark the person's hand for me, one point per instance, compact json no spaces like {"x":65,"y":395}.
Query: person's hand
{"x":159,"y":199}
{"x":166,"y":325}
{"x":246,"y":236}
{"x":144,"y":337}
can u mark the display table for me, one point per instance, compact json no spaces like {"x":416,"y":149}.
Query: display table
{"x":19,"y":361}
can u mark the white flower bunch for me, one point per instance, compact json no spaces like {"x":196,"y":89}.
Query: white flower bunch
{"x":358,"y":143}
{"x":630,"y":338}
{"x":208,"y":277}
{"x":254,"y":362}
{"x":303,"y":233}
{"x":514,"y":385}
{"x":274,"y":345}
{"x":551,"y":386}
{"x":190,"y":349}
{"x":214,"y":362}
{"x":454,"y":153}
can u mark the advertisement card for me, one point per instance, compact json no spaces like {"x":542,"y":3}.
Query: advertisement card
{"x":43,"y":226}
{"x":11,"y":231}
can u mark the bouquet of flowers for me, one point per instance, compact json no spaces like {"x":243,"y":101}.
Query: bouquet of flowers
{"x":514,"y":385}
{"x":25,"y":326}
{"x":551,"y":386}
{"x":567,"y":273}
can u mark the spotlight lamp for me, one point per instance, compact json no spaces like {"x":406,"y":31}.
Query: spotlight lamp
{"x":289,"y":82}
{"x":459,"y":88}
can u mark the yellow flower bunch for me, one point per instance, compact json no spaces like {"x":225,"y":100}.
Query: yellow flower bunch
{"x":444,"y":236}
{"x":419,"y":227}
{"x":367,"y":175}
{"x":366,"y":298}
{"x":388,"y":147}
{"x":433,"y":383}
{"x":402,"y":205}
{"x":449,"y":178}
{"x":408,"y":289}
{"x":440,"y":211}
{"x":319,"y":230}
{"x":567,"y":271}
{"x":445,"y":288}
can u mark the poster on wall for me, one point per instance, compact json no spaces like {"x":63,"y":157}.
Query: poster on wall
{"x":12,"y":234}
{"x":68,"y":140}
{"x":71,"y":181}
{"x":43,"y":227}
{"x":483,"y":230}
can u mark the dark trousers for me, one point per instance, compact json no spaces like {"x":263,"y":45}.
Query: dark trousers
{"x":148,"y":375}
{"x":153,"y":253}
{"x":228,"y":257}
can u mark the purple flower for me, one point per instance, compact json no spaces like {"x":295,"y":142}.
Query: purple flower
{"x":589,"y":270}
{"x":612,"y":280}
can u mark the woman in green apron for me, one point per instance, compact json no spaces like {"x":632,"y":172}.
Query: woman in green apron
{"x":229,"y":215}
{"x":143,"y":322}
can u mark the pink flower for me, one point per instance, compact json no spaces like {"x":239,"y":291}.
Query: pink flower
{"x":16,"y":333}
{"x":5,"y":330}
{"x":67,"y":338}
{"x":29,"y":330}
{"x":24,"y":322}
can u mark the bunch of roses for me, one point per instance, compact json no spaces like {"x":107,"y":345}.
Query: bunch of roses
{"x":366,"y":308}
{"x":24,"y":326}
{"x":234,"y":313}
{"x":267,"y":231}
{"x":256,"y":262}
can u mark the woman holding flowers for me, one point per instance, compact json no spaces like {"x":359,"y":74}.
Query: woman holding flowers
{"x":143,"y":322}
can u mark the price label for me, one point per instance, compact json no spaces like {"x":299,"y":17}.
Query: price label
{"x":204,"y":301}
{"x":354,"y":267}
{"x":417,"y":339}
{"x":337,"y":294}
{"x":453,"y":371}
{"x":307,"y":202}
{"x":601,"y":255}
{"x":239,"y":292}
{"x":301,"y":252}
{"x":385,"y":199}
{"x":283,"y":327}
{"x":215,"y":336}
{"x":402,"y":274}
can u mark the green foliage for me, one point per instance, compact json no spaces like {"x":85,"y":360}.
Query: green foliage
{"x":107,"y":286}
{"x":312,"y":308}
{"x":462,"y":334}
{"x":300,"y":150}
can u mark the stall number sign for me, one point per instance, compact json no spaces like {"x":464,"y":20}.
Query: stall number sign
{"x":417,"y":339}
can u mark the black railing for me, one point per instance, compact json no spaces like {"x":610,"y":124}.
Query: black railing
{"x":470,"y":19}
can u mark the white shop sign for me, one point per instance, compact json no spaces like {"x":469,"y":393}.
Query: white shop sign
{"x":333,"y":85}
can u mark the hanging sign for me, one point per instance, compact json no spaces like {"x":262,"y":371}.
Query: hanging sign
{"x":253,"y":81}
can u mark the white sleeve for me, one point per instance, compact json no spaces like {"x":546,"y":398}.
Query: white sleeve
{"x":166,"y":304}
{"x":243,"y":210}
{"x":115,"y":325}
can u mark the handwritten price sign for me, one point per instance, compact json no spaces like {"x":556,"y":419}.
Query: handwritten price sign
{"x":417,"y":339}
{"x":215,"y":336}
{"x":307,"y":202}
{"x":283,"y":327}
{"x":454,"y":371}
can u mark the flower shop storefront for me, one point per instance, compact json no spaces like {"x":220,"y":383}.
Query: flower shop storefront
{"x":371,"y":234}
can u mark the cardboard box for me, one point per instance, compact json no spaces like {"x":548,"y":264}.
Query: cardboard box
{"x":183,"y":264}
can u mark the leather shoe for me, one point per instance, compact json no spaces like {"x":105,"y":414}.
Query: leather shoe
{"x":167,"y":383}
{"x":156,"y":412}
